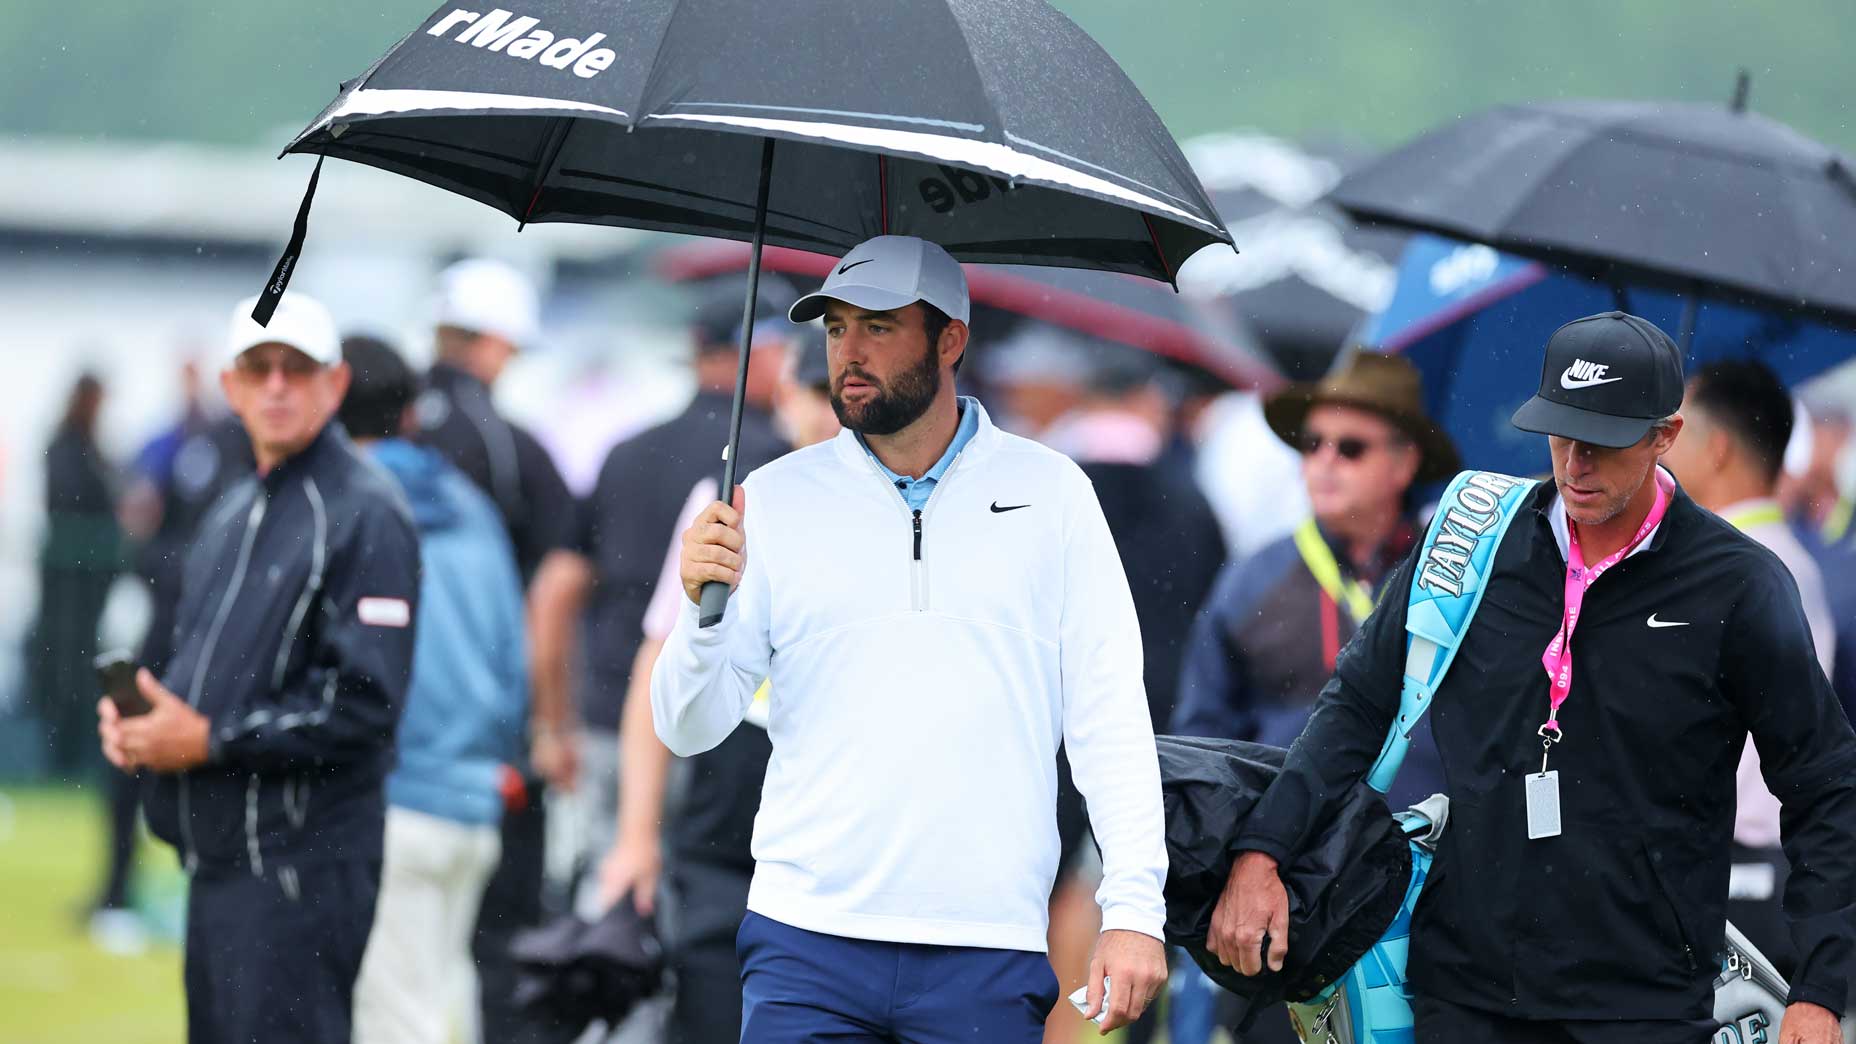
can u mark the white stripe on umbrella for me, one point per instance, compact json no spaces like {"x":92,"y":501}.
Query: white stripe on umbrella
{"x":982,"y":155}
{"x":388,"y":102}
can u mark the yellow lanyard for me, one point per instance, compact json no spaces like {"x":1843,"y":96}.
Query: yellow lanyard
{"x":1839,"y":521}
{"x":1351,"y":595}
{"x":1764,"y":515}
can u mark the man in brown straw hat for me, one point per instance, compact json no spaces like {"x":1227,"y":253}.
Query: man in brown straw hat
{"x":1267,"y":638}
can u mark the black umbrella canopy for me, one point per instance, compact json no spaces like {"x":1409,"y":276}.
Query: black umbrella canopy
{"x":1309,"y":275}
{"x":999,"y":130}
{"x":1693,"y":197}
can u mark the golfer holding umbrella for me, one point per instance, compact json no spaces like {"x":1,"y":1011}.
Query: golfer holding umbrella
{"x":938,"y":604}
{"x":925,"y":666}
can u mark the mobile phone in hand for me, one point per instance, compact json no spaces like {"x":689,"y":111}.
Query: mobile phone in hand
{"x":1081,"y":999}
{"x":116,"y":676}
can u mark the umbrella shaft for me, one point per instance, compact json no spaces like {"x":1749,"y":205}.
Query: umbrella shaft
{"x":714,"y":592}
{"x":747,"y":322}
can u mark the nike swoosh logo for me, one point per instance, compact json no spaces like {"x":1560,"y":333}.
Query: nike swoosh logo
{"x":1654,"y":622}
{"x":846,"y":268}
{"x":1569,"y":384}
{"x":997,"y":510}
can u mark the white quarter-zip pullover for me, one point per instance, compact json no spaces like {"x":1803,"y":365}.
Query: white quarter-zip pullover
{"x":924,"y":669}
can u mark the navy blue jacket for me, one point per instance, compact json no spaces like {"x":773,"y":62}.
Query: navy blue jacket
{"x":1257,"y":658}
{"x":294,"y":637}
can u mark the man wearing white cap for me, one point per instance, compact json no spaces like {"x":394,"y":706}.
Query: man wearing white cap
{"x":938,"y":605}
{"x":488,"y":312}
{"x":270,"y":731}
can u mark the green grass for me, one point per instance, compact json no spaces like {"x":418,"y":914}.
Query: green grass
{"x":55,"y":987}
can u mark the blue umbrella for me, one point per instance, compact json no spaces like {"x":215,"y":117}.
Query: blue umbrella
{"x":1474,"y":321}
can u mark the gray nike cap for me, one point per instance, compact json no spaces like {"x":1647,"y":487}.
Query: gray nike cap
{"x":887,"y":273}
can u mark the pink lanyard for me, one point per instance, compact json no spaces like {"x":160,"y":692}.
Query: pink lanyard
{"x":1579,"y":579}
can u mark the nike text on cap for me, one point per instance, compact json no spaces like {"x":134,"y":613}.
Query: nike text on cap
{"x":887,"y":273}
{"x":1608,"y":378}
{"x":301,"y":322}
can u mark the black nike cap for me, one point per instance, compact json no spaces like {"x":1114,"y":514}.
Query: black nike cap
{"x":1607,"y":379}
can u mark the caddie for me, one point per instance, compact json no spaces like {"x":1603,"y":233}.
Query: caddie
{"x":1627,"y":643}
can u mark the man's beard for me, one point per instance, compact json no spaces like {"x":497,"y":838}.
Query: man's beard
{"x":894,"y":404}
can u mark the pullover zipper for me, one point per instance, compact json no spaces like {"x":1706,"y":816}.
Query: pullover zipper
{"x":918,"y":582}
{"x":252,"y":520}
{"x":918,"y":574}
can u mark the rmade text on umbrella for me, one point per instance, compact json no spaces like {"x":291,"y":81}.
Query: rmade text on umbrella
{"x":522,"y":39}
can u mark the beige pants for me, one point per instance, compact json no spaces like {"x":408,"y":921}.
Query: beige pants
{"x":418,"y":984}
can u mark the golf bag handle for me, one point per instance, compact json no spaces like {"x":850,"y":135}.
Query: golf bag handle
{"x":715,"y":592}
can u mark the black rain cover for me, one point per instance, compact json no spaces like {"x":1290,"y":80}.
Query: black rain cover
{"x":1344,"y":888}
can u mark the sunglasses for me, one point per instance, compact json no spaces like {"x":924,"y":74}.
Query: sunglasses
{"x":1349,"y":447}
{"x":293,"y":365}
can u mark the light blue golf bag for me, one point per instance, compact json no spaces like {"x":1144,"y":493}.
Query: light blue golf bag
{"x":1370,"y":1003}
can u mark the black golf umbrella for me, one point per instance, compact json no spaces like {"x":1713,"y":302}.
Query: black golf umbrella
{"x":1309,"y":275}
{"x":999,"y":130}
{"x":1701,"y":199}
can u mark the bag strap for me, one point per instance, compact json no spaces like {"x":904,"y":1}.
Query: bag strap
{"x":1451,"y":575}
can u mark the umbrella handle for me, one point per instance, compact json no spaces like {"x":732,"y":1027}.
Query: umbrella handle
{"x":714,"y":603}
{"x":715,"y":592}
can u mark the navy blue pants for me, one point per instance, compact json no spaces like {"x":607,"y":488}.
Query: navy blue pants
{"x":273,"y":959}
{"x":800,"y":987}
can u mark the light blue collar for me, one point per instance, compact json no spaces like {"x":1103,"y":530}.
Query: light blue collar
{"x":915,"y":491}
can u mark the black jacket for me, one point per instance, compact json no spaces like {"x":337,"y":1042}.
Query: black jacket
{"x":294,"y":637}
{"x":629,"y":521}
{"x":81,"y":534}
{"x":1171,"y":548}
{"x":1621,"y":916}
{"x":458,"y":418}
{"x":190,"y":474}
